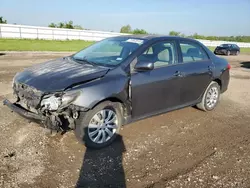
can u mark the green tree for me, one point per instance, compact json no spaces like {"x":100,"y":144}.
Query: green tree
{"x":126,"y":29}
{"x":174,"y":33}
{"x":197,"y":36}
{"x":69,"y":25}
{"x":222,"y":38}
{"x":211,"y":38}
{"x":53,"y":25}
{"x":78,"y":27}
{"x":61,"y":25}
{"x":2,"y":21}
{"x":139,"y":31}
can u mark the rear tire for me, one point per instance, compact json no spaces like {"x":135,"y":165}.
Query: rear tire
{"x":210,"y":97}
{"x":228,"y":53}
{"x":95,"y":129}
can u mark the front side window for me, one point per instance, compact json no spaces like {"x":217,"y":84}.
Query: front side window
{"x":192,"y":52}
{"x":149,"y":51}
{"x":109,"y":52}
{"x":161,"y":54}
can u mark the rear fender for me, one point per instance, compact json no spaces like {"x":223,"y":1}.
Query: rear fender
{"x":222,"y":72}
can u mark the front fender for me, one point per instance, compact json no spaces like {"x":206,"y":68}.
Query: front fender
{"x":112,"y":85}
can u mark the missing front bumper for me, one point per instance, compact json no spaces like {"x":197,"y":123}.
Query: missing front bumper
{"x":23,"y":112}
{"x":58,"y":122}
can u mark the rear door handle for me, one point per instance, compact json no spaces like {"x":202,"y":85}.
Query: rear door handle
{"x":210,"y":68}
{"x":178,"y":74}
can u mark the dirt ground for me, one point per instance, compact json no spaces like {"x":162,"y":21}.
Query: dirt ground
{"x":184,"y":148}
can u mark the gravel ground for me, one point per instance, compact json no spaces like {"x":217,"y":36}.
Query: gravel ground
{"x":184,"y":148}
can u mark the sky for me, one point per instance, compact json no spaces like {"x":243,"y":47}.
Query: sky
{"x":206,"y":17}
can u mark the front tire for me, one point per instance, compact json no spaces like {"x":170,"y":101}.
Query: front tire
{"x":228,"y":53}
{"x":99,"y":127}
{"x":210,"y":98}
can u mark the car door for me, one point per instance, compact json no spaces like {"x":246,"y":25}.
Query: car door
{"x":196,"y":69}
{"x":235,"y":48}
{"x":231,"y":49}
{"x":156,"y":90}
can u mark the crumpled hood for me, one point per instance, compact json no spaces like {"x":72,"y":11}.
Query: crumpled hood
{"x":58,"y":74}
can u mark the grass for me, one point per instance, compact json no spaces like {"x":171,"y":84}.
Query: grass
{"x":42,"y":45}
{"x":53,"y":45}
{"x":211,"y":48}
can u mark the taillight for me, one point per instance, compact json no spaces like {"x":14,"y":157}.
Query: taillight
{"x":228,"y":66}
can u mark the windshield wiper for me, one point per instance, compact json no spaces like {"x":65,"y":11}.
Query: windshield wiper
{"x":86,"y":61}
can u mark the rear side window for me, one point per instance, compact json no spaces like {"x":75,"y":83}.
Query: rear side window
{"x":192,"y":52}
{"x":235,"y":46}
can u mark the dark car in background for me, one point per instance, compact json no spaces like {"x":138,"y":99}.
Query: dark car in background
{"x":227,"y":49}
{"x":117,"y":81}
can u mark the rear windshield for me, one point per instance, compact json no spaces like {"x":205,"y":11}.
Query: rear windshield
{"x":225,"y":45}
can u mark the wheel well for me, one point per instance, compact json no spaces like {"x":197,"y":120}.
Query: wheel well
{"x":125,"y":109}
{"x":219,"y":82}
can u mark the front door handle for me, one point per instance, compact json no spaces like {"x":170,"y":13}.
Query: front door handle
{"x":178,"y":74}
{"x":210,"y":68}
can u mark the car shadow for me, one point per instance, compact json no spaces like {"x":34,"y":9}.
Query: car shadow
{"x":245,"y":64}
{"x":103,"y":167}
{"x":2,"y":54}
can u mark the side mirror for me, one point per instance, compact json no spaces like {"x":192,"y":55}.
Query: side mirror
{"x":144,"y":66}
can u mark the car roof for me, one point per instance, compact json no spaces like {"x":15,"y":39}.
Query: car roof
{"x":149,"y":37}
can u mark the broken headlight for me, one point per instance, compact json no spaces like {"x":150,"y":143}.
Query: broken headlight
{"x":59,"y":101}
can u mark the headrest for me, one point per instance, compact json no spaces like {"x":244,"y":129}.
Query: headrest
{"x":164,"y":55}
{"x":193,"y":52}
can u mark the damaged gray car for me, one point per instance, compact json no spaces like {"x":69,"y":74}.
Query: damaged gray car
{"x":117,"y":81}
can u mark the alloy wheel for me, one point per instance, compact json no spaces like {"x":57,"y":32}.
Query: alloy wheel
{"x":103,"y":126}
{"x":212,"y":97}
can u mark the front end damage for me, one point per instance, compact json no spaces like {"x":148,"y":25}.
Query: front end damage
{"x":53,"y":111}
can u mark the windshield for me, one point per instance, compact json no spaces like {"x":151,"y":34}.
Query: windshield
{"x":109,"y":52}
